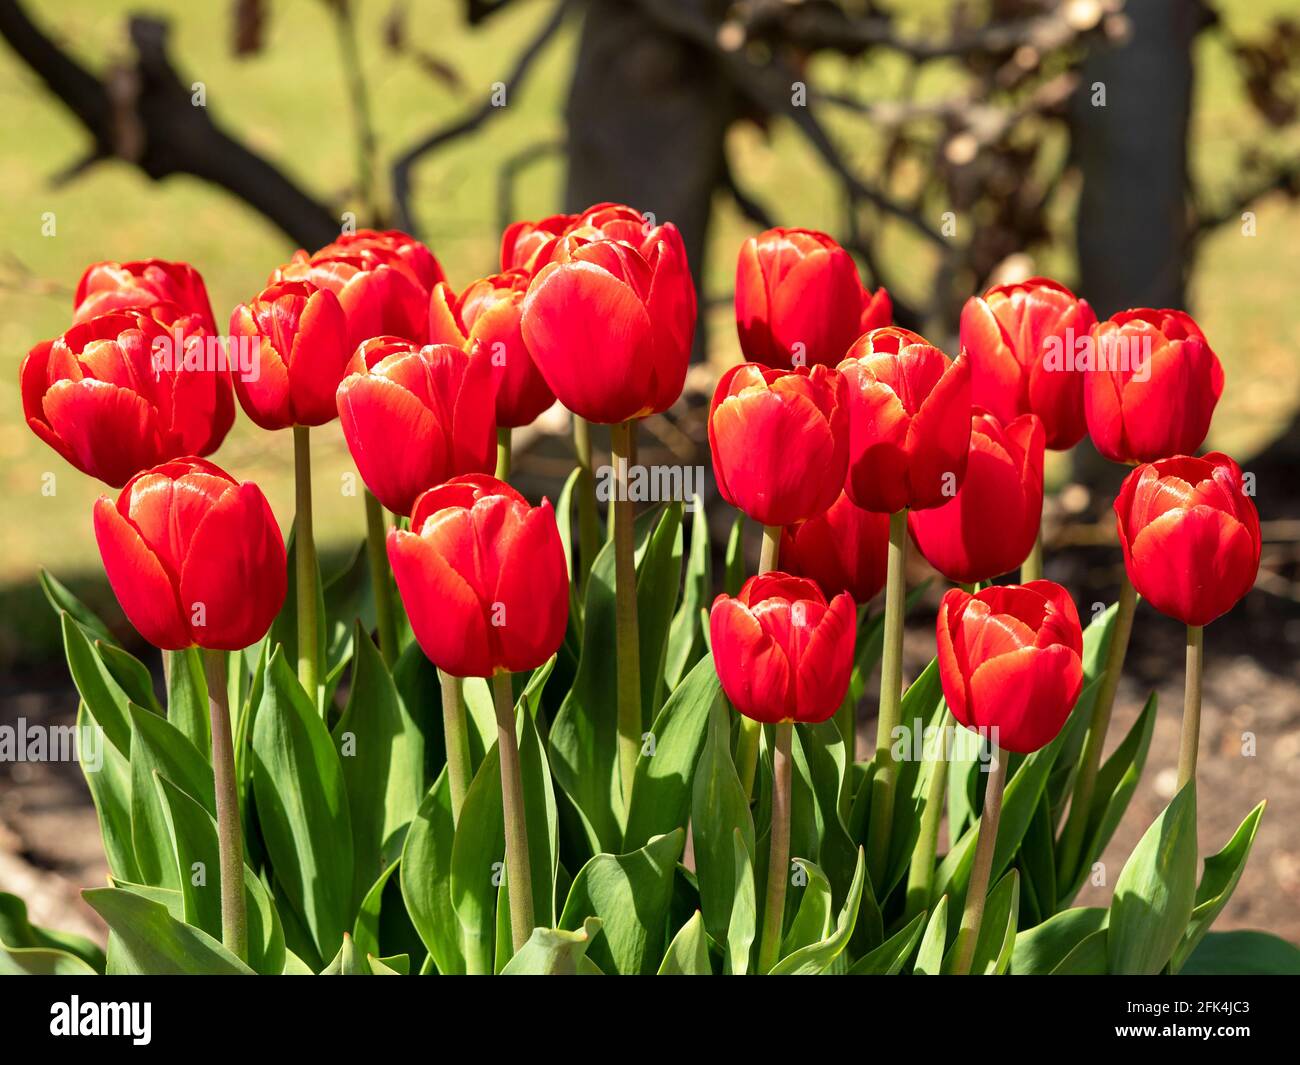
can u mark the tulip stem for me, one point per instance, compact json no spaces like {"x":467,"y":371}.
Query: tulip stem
{"x":750,"y":730}
{"x":1081,"y":801}
{"x":978,"y":887}
{"x":503,"y":453}
{"x":518,"y":865}
{"x":456,"y":737}
{"x":885,"y":779}
{"x":230,"y":839}
{"x":304,"y":547}
{"x":1191,"y":737}
{"x":920,"y":877}
{"x":625,"y":618}
{"x":1032,"y":567}
{"x":588,"y":525}
{"x":380,"y":582}
{"x":779,"y":853}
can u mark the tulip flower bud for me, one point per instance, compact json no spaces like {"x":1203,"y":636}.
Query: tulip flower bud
{"x":483,"y":577}
{"x":1190,"y":535}
{"x":843,"y":549}
{"x":484,"y":320}
{"x":1010,"y":661}
{"x":194,"y":556}
{"x":783,"y":654}
{"x":382,"y":281}
{"x":1022,"y":341}
{"x":799,"y":300}
{"x":779,"y":440}
{"x":1153,"y":388}
{"x":415,"y":416}
{"x":138,"y":285}
{"x":301,"y":354}
{"x":609,"y":324}
{"x":523,"y":244}
{"x":909,"y":421}
{"x":127,"y":390}
{"x":989,"y":527}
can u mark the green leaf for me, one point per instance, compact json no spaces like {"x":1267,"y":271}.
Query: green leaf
{"x":661,"y":795}
{"x":381,"y":753}
{"x":41,"y":961}
{"x":744,"y":908}
{"x":132,"y":675}
{"x":816,"y":958}
{"x":583,"y":749}
{"x":284,"y":630}
{"x":426,"y":879}
{"x":688,"y":953}
{"x":348,"y":961}
{"x":197,"y":854}
{"x":158,"y":746}
{"x":719,"y":808}
{"x":187,"y":698}
{"x":18,"y":933}
{"x":553,"y":951}
{"x":1116,"y":781}
{"x":365,"y":931}
{"x":149,"y":940}
{"x":734,"y":573}
{"x":658,"y":577}
{"x":1087,"y":958}
{"x":997,"y":934}
{"x":812,"y":919}
{"x":1039,"y":950}
{"x":888,"y":958}
{"x":1222,"y":871}
{"x":1155,"y":891}
{"x":99,"y":689}
{"x":64,"y":602}
{"x":685,"y":640}
{"x":302,"y":806}
{"x":1242,"y":953}
{"x":929,"y":957}
{"x":110,"y":791}
{"x":921,"y":708}
{"x":631,"y":894}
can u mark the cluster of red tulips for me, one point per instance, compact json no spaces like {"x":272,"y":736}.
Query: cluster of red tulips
{"x":841,"y":435}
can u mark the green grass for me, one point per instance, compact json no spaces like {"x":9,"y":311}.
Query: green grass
{"x":289,"y":103}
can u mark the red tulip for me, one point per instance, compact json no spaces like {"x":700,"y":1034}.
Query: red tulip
{"x":610,"y":324}
{"x":991,"y":524}
{"x":382,"y":281}
{"x":781,"y":653}
{"x":523,"y":243}
{"x":483,"y":577}
{"x":114,"y":395}
{"x":1154,"y":386}
{"x":141,"y":284}
{"x":909,"y":421}
{"x":843,"y":549}
{"x":779,"y":440}
{"x":194,"y":556}
{"x":1190,"y":535}
{"x":1021,"y":341}
{"x":415,"y":416}
{"x":1010,"y":661}
{"x":484,"y":320}
{"x":301,"y":354}
{"x":799,"y":300}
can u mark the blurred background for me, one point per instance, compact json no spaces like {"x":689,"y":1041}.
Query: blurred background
{"x":1146,"y":154}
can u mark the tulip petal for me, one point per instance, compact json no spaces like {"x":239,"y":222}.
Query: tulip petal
{"x":145,"y":592}
{"x":753,"y":670}
{"x":1025,"y":696}
{"x":110,"y":432}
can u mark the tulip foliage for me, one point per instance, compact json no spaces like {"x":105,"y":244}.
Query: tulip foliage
{"x":496,"y":738}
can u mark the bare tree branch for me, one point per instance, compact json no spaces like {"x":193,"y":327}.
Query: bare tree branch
{"x":401,"y":173}
{"x":175,"y":136}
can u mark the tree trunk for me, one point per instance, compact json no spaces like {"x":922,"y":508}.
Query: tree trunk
{"x":647,"y":114}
